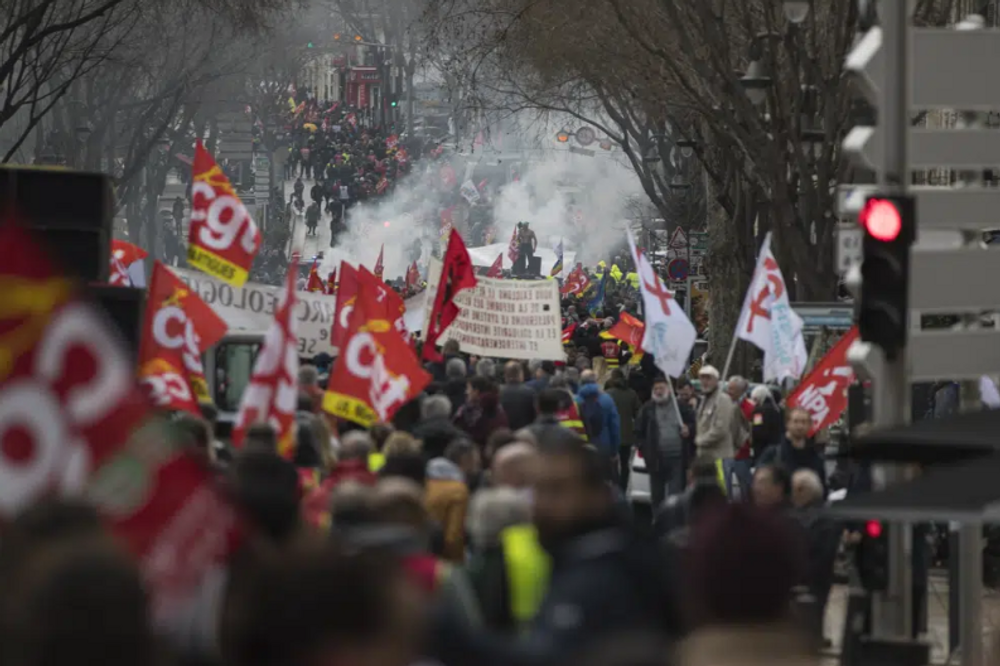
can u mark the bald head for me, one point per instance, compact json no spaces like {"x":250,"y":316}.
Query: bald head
{"x":588,"y":377}
{"x":514,"y":465}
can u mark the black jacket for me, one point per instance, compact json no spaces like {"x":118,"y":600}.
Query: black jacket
{"x":794,"y":459}
{"x":647,"y":435}
{"x":518,"y":401}
{"x":767,"y":428}
{"x":436,"y":434}
{"x":604,"y":583}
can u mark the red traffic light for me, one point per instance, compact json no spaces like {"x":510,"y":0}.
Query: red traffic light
{"x":873,"y":528}
{"x":882,"y":219}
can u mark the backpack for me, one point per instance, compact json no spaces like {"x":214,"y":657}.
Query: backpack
{"x":592,"y":416}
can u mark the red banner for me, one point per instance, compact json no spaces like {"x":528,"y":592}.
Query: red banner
{"x":272,"y":395}
{"x":823,"y":392}
{"x":377,"y":372}
{"x":68,"y":399}
{"x":179,"y":328}
{"x":123,"y":255}
{"x":223,"y":240}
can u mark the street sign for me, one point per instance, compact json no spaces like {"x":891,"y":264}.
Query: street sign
{"x":954,"y":280}
{"x":678,"y":239}
{"x":837,"y":316}
{"x":952,"y":69}
{"x":967,"y":354}
{"x":678,"y":270}
{"x":582,"y":151}
{"x":928,"y":148}
{"x":965,"y":209}
{"x":849,"y":250}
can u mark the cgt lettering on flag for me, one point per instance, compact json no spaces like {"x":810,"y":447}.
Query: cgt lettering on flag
{"x":223,"y":239}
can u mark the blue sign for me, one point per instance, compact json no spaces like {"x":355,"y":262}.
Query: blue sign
{"x":678,"y":270}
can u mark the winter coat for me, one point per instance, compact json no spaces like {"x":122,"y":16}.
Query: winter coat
{"x":447,"y":501}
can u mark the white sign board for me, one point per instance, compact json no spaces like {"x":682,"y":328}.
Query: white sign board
{"x":251,"y":308}
{"x":504,"y":318}
{"x":849,"y":251}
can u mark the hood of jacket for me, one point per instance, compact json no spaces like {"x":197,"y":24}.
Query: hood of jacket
{"x":442,"y":469}
{"x":589,"y":391}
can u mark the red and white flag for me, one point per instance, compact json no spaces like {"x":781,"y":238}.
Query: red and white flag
{"x":378,"y":372}
{"x":576,"y":283}
{"x":68,"y":397}
{"x":512,"y":250}
{"x":823,"y":392}
{"x":496,"y":270}
{"x":123,"y":255}
{"x":223,"y":239}
{"x":179,"y":327}
{"x":769,"y":322}
{"x":272,"y":395}
{"x":379,"y":269}
{"x":567,"y":333}
{"x":669,"y":335}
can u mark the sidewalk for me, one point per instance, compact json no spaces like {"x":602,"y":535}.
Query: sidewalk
{"x":937,"y":619}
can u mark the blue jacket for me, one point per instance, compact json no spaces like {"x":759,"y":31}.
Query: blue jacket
{"x":611,"y":436}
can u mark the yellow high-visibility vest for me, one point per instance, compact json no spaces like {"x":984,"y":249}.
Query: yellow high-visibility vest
{"x":528,"y":568}
{"x":616,"y":273}
{"x":633,"y":279}
{"x":720,"y":475}
{"x":376,"y":461}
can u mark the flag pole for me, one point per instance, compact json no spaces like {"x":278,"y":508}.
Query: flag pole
{"x":729,"y":357}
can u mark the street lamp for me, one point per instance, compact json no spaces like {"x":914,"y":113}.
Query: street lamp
{"x":796,"y":11}
{"x":756,"y":82}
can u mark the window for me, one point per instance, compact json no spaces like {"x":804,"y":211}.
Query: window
{"x":233,"y":369}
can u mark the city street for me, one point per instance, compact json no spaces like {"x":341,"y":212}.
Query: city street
{"x":937,"y":619}
{"x":307,"y":246}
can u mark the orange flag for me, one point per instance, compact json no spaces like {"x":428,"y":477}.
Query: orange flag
{"x":179,"y":328}
{"x":628,"y":329}
{"x":223,"y":239}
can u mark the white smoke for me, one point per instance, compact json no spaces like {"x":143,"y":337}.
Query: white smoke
{"x":552,"y":187}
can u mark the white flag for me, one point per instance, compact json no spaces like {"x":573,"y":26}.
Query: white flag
{"x":768,"y":321}
{"x":669,"y":335}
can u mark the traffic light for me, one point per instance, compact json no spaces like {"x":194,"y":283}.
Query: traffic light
{"x":309,"y":45}
{"x":873,"y":557}
{"x":562,"y":137}
{"x":393,"y":102}
{"x":889,"y":224}
{"x":336,"y":36}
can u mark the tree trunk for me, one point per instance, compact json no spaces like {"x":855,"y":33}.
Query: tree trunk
{"x":410,"y":97}
{"x":729,"y":277}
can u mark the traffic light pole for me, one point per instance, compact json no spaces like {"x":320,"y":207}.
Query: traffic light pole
{"x":892,"y":610}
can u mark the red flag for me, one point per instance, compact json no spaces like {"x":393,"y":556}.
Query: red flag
{"x":315,"y":282}
{"x":576,"y":283}
{"x":391,"y":142}
{"x":512,"y":250}
{"x":123,"y":255}
{"x":628,"y":329}
{"x":272,"y":394}
{"x":179,"y":327}
{"x":567,"y":334}
{"x":412,"y":276}
{"x":68,"y":398}
{"x":223,"y":239}
{"x":823,"y":392}
{"x":377,"y":373}
{"x":382,"y":185}
{"x":379,"y":266}
{"x":347,"y":294}
{"x":496,"y":270}
{"x":388,"y":304}
{"x":331,"y":283}
{"x":456,"y":274}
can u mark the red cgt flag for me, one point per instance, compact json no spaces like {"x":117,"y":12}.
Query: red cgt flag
{"x":331,"y":283}
{"x":68,"y":399}
{"x":496,"y":270}
{"x":567,"y":334}
{"x":628,"y":329}
{"x":379,"y":265}
{"x":347,"y":295}
{"x":377,"y":372}
{"x":457,"y":274}
{"x":272,"y":394}
{"x":512,"y":250}
{"x":576,"y":283}
{"x":315,"y":282}
{"x":179,"y":328}
{"x":123,"y":255}
{"x":223,"y":239}
{"x":823,"y":392}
